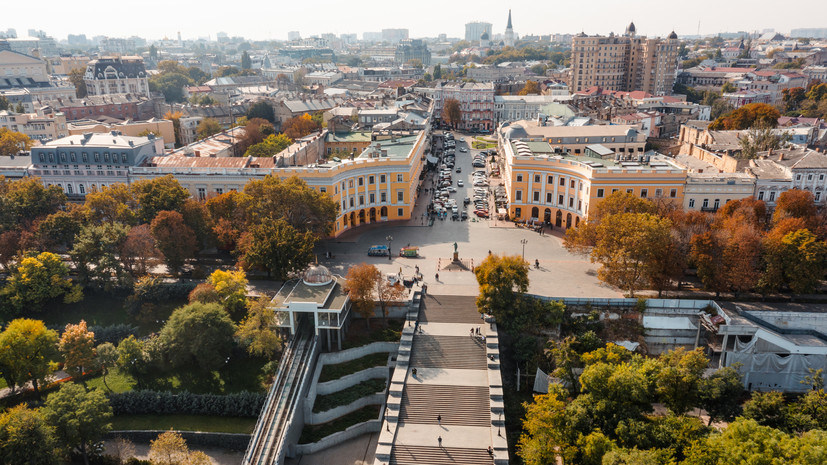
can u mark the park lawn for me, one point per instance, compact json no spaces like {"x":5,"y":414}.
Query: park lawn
{"x":211,"y":424}
{"x":117,"y":381}
{"x":338,"y":370}
{"x":315,"y":433}
{"x":3,"y":384}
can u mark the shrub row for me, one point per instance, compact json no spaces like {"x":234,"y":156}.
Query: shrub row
{"x":113,"y":333}
{"x":239,"y":404}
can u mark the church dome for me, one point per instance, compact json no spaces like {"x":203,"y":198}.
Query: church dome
{"x":317,"y":275}
{"x":484,"y":36}
{"x":673,"y":35}
{"x":631,"y":27}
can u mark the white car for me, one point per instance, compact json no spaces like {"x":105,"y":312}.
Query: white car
{"x":460,"y":183}
{"x":463,"y":150}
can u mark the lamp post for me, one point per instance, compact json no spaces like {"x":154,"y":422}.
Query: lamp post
{"x":524,"y":242}
{"x":389,"y":239}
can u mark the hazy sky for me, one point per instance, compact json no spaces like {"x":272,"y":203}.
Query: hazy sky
{"x":156,"y":19}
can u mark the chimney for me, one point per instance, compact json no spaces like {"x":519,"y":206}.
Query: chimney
{"x":780,"y":156}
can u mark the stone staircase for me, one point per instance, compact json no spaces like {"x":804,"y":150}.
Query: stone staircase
{"x":458,"y":405}
{"x":449,"y":309}
{"x":420,"y":455}
{"x":459,"y":352}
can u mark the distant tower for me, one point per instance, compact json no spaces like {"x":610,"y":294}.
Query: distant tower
{"x":179,"y":38}
{"x":485,"y":40}
{"x":630,"y":30}
{"x":509,"y":32}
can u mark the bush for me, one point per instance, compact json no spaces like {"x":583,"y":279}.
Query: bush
{"x":239,"y":404}
{"x":113,"y":333}
{"x":349,"y":395}
{"x":152,"y":289}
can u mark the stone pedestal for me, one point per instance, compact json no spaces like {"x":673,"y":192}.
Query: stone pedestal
{"x":456,"y":256}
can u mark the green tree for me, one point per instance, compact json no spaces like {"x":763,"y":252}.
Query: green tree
{"x":246,"y":62}
{"x":25,"y":200}
{"x":76,"y":78}
{"x":207,"y":127}
{"x":543,"y":436}
{"x":451,"y":112}
{"x":502,"y":280}
{"x":26,"y":438}
{"x":28,"y":349}
{"x":106,"y":357}
{"x":292,"y":200}
{"x":4,"y":103}
{"x":728,"y":88}
{"x":678,"y":383}
{"x":134,"y":359}
{"x":437,"y":72}
{"x":171,"y":84}
{"x":257,"y":331}
{"x":768,"y":409}
{"x":277,"y":247}
{"x":155,"y":195}
{"x":721,"y":394}
{"x":77,"y":344}
{"x":798,"y":260}
{"x":174,"y":239}
{"x":12,"y":142}
{"x":633,"y":457}
{"x":112,"y":203}
{"x":198,"y":335}
{"x":262,"y":109}
{"x":175,"y":117}
{"x":36,"y":280}
{"x":95,"y":254}
{"x":231,"y":288}
{"x":80,"y":418}
{"x":761,"y":139}
{"x":58,"y":230}
{"x":272,"y":145}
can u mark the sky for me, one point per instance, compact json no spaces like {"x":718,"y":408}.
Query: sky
{"x":156,"y":19}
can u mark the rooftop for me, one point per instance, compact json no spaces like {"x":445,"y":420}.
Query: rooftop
{"x":99,"y":139}
{"x":398,"y":148}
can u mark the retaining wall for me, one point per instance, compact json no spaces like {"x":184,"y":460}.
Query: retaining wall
{"x":312,"y":418}
{"x":347,"y":381}
{"x":198,"y":438}
{"x":371,"y":426}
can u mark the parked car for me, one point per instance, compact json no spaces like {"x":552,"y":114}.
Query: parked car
{"x":378,"y":251}
{"x":460,"y":183}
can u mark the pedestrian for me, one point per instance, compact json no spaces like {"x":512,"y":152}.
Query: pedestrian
{"x":439,"y":440}
{"x":483,"y":339}
{"x":472,"y":332}
{"x":439,"y":420}
{"x":420,"y":329}
{"x":490,"y":451}
{"x":413,"y":372}
{"x":436,"y":276}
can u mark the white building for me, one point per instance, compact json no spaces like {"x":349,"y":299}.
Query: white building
{"x":44,"y":125}
{"x":123,"y":75}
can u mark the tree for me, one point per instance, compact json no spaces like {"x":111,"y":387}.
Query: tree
{"x":707,"y":254}
{"x":27,"y":199}
{"x":4,"y":103}
{"x":793,"y":97}
{"x":542,"y":440}
{"x":198,"y":335}
{"x":77,"y":344}
{"x":138,"y":252}
{"x":246,"y":62}
{"x":386,"y":294}
{"x":747,"y":116}
{"x":359,"y":284}
{"x":168,"y":449}
{"x":58,"y":230}
{"x":204,"y":293}
{"x":171,"y":84}
{"x":300,"y":126}
{"x":28,"y":350}
{"x":276,"y":246}
{"x":174,"y":239}
{"x":134,"y":359}
{"x":197,"y":216}
{"x":451,"y":112}
{"x":761,"y":139}
{"x":207,"y":127}
{"x":80,"y":418}
{"x":36,"y":280}
{"x":502,"y":279}
{"x":678,"y":383}
{"x":175,"y":117}
{"x":437,"y":72}
{"x":634,"y":457}
{"x":229,"y":218}
{"x":12,"y":143}
{"x":231,"y":288}
{"x":263,"y":110}
{"x":720,"y":394}
{"x":795,"y":203}
{"x":290,"y":199}
{"x":257,"y":331}
{"x":728,"y":88}
{"x":798,"y":260}
{"x":76,"y":78}
{"x":272,"y":145}
{"x":768,"y":409}
{"x":106,"y":356}
{"x":584,"y":237}
{"x":112,"y":203}
{"x":26,"y":438}
{"x":155,"y":195}
{"x":530,"y":88}
{"x":95,"y":254}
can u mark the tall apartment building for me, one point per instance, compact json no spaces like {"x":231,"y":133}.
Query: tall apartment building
{"x":394,"y":35}
{"x":412,"y":49}
{"x":624,"y":63}
{"x":475,"y":29}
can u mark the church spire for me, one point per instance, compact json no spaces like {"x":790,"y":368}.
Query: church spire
{"x":509,"y":19}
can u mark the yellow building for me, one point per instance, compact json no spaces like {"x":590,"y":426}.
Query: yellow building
{"x":161,"y":127}
{"x":380,"y":184}
{"x":544,"y":184}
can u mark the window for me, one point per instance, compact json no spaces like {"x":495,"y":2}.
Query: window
{"x":615,"y":190}
{"x":562,"y":181}
{"x":691,"y":203}
{"x":400,"y":212}
{"x":351,"y":202}
{"x":399,"y":178}
{"x":548,"y":197}
{"x":343,"y":185}
{"x":809,"y":177}
{"x":550,"y":180}
{"x":370,"y":179}
{"x":772,"y":196}
{"x":72,"y":156}
{"x":518,"y":212}
{"x":400,"y":196}
{"x":536,"y":178}
{"x":323,"y":189}
{"x":519,"y":178}
{"x":518,"y":196}
{"x":381,"y":178}
{"x":818,"y":196}
{"x":673,"y":193}
{"x":798,"y":177}
{"x":658,"y":192}
{"x":705,"y":204}
{"x":106,"y":157}
{"x":383,"y":197}
{"x":361,"y":181}
{"x":219,"y":190}
{"x":42,"y":158}
{"x":571,"y":202}
{"x":821,"y":177}
{"x":536,"y":196}
{"x":644,"y":193}
{"x":81,"y":189}
{"x":717,"y":204}
{"x":97,"y":157}
{"x":761,"y":195}
{"x":560,"y":199}
{"x":202,"y":193}
{"x":630,"y":191}
{"x":579,"y":205}
{"x":599,"y":193}
{"x":372,"y":198}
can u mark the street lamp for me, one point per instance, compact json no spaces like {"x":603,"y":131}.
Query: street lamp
{"x":389,"y":239}
{"x":524,"y":242}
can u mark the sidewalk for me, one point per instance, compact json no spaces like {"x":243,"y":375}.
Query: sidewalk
{"x":53,"y":378}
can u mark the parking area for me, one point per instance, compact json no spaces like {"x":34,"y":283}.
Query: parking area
{"x":560,"y":273}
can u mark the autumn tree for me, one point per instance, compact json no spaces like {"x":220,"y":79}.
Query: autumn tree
{"x":292,"y":200}
{"x":197,"y":216}
{"x":387,"y":294}
{"x":12,"y":142}
{"x":138,"y":252}
{"x":277,"y":247}
{"x":229,"y":218}
{"x":257,"y":331}
{"x":747,"y":116}
{"x":26,"y":438}
{"x":231,"y":289}
{"x":80,"y":418}
{"x":255,"y":131}
{"x":198,"y":336}
{"x":24,"y":200}
{"x":270,"y":146}
{"x":451,"y":112}
{"x":171,"y":449}
{"x":175,"y":117}
{"x":77,"y":345}
{"x":530,"y":88}
{"x":798,"y":260}
{"x":502,"y":280}
{"x":173,"y":238}
{"x":795,"y":203}
{"x":207,"y":127}
{"x":95,"y":254}
{"x":299,"y":126}
{"x":112,"y":203}
{"x":360,"y":284}
{"x":792,"y":98}
{"x":36,"y":280}
{"x":57,"y":231}
{"x":159,"y":194}
{"x":76,"y":78}
{"x":707,"y":254}
{"x":28,"y":351}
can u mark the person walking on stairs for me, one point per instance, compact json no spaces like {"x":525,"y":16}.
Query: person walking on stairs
{"x":439,"y":440}
{"x":439,"y":420}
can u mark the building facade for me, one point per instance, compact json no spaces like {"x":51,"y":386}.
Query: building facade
{"x":625,"y":63}
{"x":412,"y":49}
{"x":122,"y":75}
{"x":475,"y":29}
{"x":476,"y":101}
{"x":43,"y":126}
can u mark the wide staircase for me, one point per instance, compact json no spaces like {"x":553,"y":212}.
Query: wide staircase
{"x":460,"y":352}
{"x":458,"y":405}
{"x":420,"y":455}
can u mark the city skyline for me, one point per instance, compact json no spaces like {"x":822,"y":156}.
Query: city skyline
{"x":158,"y":20}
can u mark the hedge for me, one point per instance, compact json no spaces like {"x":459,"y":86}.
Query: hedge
{"x":113,"y":333}
{"x":238,"y":404}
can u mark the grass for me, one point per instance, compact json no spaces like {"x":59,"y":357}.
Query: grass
{"x":479,"y":145}
{"x":338,"y":370}
{"x":3,"y":384}
{"x":315,"y":433}
{"x":107,"y":309}
{"x":359,"y":335}
{"x":117,"y":381}
{"x":348,"y":395}
{"x":211,"y":424}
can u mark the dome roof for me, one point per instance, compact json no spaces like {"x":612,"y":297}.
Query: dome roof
{"x":515,"y":131}
{"x":317,"y":275}
{"x":631,"y":27}
{"x":673,"y":35}
{"x":484,"y":36}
